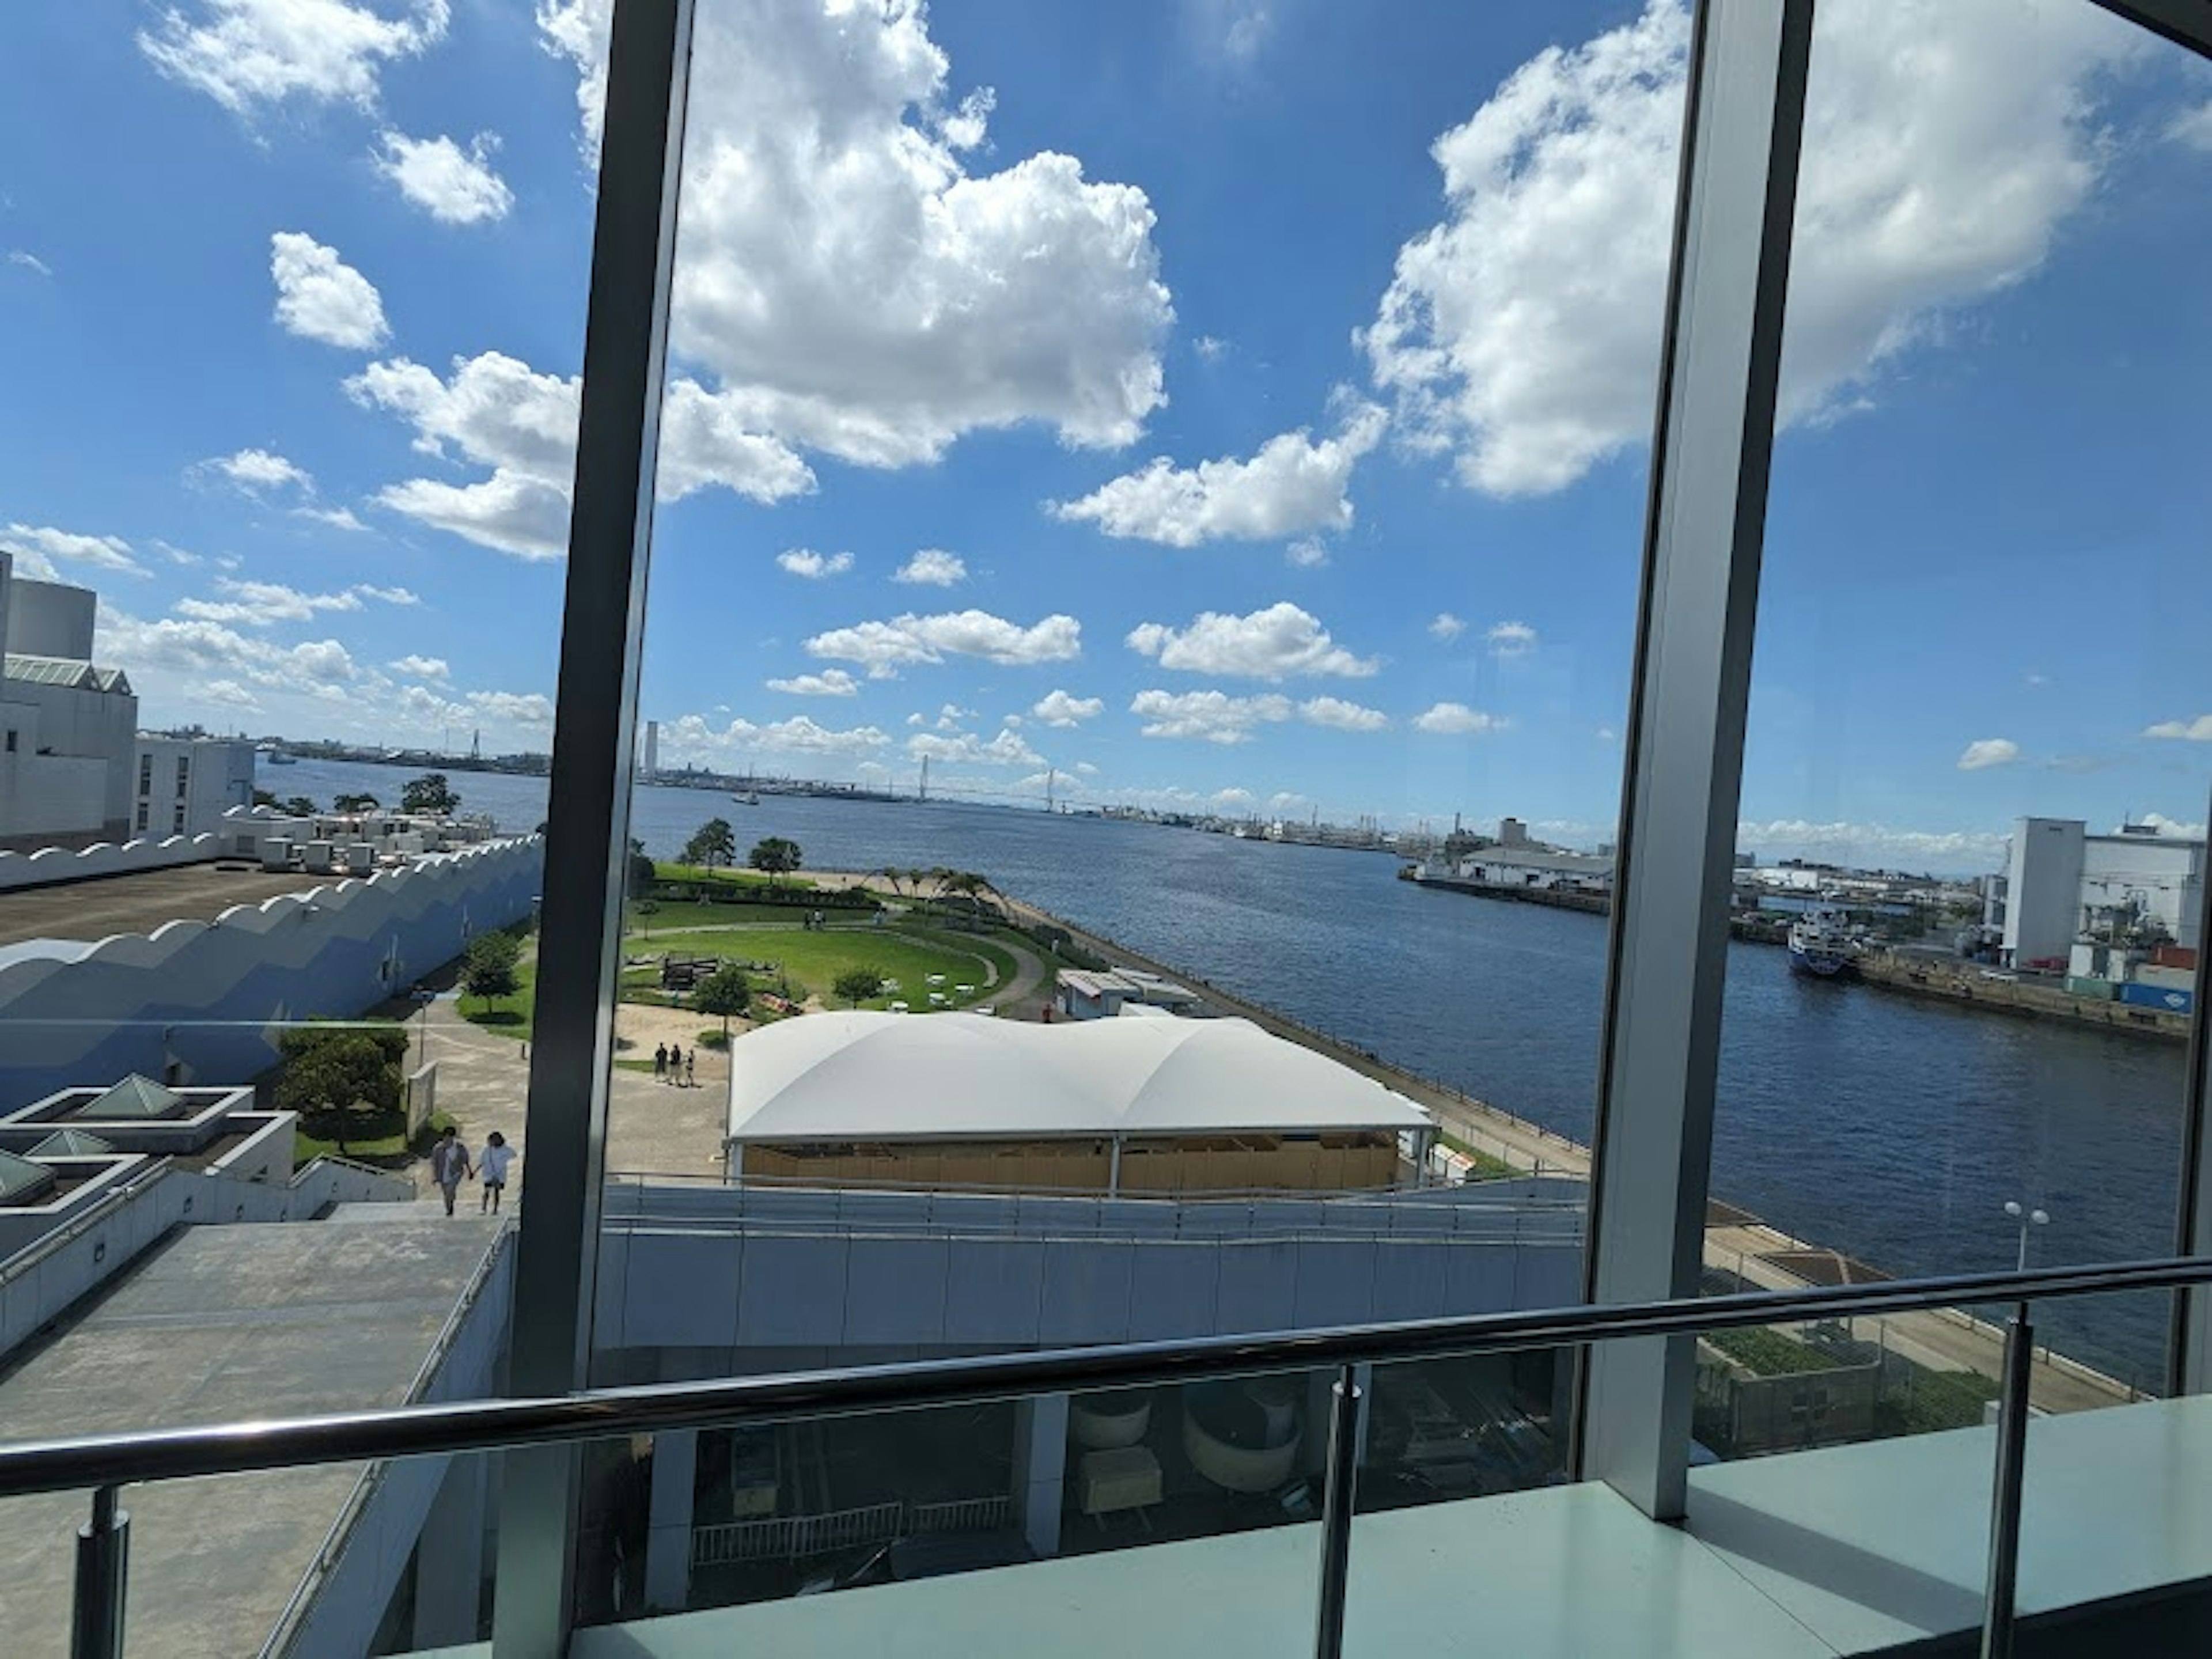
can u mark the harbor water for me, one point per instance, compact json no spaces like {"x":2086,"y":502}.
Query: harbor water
{"x":1887,"y":1127}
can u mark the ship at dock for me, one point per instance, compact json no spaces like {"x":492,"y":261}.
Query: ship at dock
{"x":1821,"y":945}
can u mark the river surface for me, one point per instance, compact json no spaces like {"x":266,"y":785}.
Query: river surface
{"x":1889,"y":1128}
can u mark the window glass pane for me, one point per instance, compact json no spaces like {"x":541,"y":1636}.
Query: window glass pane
{"x":1100,"y":560}
{"x":1972,"y":840}
{"x":237,"y":253}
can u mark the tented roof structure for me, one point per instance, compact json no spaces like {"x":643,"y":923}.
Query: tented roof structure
{"x":927,"y":1077}
{"x":71,"y":1143}
{"x":136,"y":1097}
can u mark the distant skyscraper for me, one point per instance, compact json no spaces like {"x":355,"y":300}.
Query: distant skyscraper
{"x":652,"y":748}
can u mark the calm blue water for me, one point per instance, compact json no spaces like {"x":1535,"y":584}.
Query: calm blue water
{"x":1891,"y":1129}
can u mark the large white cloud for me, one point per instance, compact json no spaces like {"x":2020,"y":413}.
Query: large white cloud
{"x":1291,"y":487}
{"x":454,"y":186}
{"x":882,"y":647}
{"x":38,"y":546}
{"x":247,"y":53}
{"x":321,"y":297}
{"x":1212,"y":716}
{"x":494,"y":412}
{"x":1946,"y":140}
{"x":259,"y":605}
{"x":846,"y":280}
{"x":1343,"y":716}
{"x":932,"y":567}
{"x":1057,"y":707}
{"x":695,"y":735}
{"x":1274,"y":644}
{"x":830,"y":683}
{"x":1007,"y":749}
{"x":2199,"y":730}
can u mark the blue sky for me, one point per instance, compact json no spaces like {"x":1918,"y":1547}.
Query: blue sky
{"x":1252,"y":395}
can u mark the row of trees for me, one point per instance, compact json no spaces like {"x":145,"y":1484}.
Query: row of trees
{"x":429,"y":793}
{"x":715,"y":843}
{"x":942,"y":882}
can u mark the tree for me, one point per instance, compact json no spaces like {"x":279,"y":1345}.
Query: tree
{"x":715,"y":843}
{"x":725,"y":992}
{"x":341,"y":1078}
{"x":857,"y":985}
{"x":776,"y":855}
{"x":893,"y":874}
{"x":487,"y":967}
{"x":429,"y":793}
{"x":263,"y":797}
{"x":353,"y":803}
{"x":300,"y":806}
{"x":640,"y":871}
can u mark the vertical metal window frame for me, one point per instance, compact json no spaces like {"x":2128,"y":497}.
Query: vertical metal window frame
{"x":588,"y":837}
{"x":1712,"y":447}
{"x":2187,"y":23}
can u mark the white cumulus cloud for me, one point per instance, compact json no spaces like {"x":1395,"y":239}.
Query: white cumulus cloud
{"x":454,"y":186}
{"x":1985,"y":752}
{"x":247,"y":53}
{"x":1946,"y":140}
{"x":814,"y":567}
{"x":2199,"y":730}
{"x":830,"y":683}
{"x":1274,"y":644}
{"x":882,"y":647}
{"x":421,"y":668}
{"x":321,"y":297}
{"x":1343,"y":716}
{"x":695,"y":735}
{"x":1212,"y":716}
{"x":933,"y":568}
{"x":252,"y":470}
{"x":847,"y":277}
{"x":1291,"y":487}
{"x":1007,"y":749}
{"x":497,"y":413}
{"x":41,"y":545}
{"x":1445,"y":626}
{"x":1511,"y":639}
{"x":1058,"y":708}
{"x":1456,"y":719}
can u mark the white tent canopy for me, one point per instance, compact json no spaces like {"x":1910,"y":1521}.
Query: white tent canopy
{"x":963,"y":1077}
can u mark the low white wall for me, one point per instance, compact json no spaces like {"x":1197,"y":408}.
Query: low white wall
{"x":212,"y":998}
{"x":55,"y":864}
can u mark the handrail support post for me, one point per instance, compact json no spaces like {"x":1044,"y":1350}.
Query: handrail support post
{"x":1337,"y":1499}
{"x":103,"y":1559}
{"x":2006,"y":1487}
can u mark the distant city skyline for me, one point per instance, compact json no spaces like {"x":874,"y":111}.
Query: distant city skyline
{"x":1225,"y":407}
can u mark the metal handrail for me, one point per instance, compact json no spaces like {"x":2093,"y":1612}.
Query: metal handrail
{"x":94,"y":1460}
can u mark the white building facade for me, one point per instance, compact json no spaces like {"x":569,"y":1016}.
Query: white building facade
{"x":182,"y":786}
{"x":67,"y":727}
{"x":2062,"y":883}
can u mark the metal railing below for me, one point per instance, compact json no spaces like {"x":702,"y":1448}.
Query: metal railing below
{"x":106,"y":1463}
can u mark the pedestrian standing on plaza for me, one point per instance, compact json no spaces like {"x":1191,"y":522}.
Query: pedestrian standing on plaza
{"x":497,"y":1156}
{"x":661,"y":1064}
{"x":690,"y":1064}
{"x":450,"y":1164}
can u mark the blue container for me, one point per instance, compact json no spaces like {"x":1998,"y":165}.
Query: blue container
{"x":2156,"y":996}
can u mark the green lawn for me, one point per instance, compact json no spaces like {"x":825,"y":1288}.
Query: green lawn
{"x":1769,"y":1353}
{"x":508,"y":1016}
{"x":1483,"y":1166}
{"x":726,"y":876}
{"x":813,"y":961}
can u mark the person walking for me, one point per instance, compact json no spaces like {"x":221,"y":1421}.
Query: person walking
{"x":450,"y":1164}
{"x":690,"y":1064}
{"x":497,"y":1156}
{"x":661,"y":1064}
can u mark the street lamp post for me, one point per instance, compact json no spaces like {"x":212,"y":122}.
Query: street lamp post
{"x":2029,"y":1220}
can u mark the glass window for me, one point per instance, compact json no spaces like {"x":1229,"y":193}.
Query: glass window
{"x":1971,"y":846}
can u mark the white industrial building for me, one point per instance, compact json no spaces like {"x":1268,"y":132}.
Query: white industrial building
{"x":67,"y":727}
{"x":2061,"y":883}
{"x":184,"y":786}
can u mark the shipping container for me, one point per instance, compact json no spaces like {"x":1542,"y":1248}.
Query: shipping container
{"x":2167,"y":979}
{"x":2175,"y":956}
{"x":2096,"y":990}
{"x":2153,"y":996}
